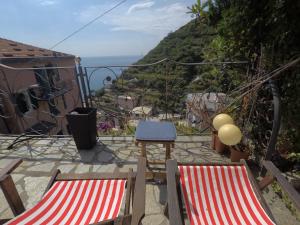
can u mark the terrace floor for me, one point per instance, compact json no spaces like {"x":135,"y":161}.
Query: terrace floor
{"x":42,"y":156}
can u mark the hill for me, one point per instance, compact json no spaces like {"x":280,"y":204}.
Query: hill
{"x":165,"y":84}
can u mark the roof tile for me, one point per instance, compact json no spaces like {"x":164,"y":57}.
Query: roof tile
{"x":13,"y":49}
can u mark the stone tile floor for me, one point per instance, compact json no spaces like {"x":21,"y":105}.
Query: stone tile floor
{"x":42,"y":156}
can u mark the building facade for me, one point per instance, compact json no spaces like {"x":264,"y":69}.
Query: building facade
{"x":201,"y":106}
{"x":38,"y":88}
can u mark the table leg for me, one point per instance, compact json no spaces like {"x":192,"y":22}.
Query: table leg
{"x":168,"y":151}
{"x":144,"y":153}
{"x":143,"y":149}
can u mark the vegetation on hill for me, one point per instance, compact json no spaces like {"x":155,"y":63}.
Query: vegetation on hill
{"x":264,"y":33}
{"x":166,"y":84}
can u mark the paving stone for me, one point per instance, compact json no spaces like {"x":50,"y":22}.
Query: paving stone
{"x":156,"y":219}
{"x":125,"y":168}
{"x":105,"y":157}
{"x":4,"y":206}
{"x":82,"y":168}
{"x":17,"y":177}
{"x":278,"y":208}
{"x":7,"y":213}
{"x":153,"y":205}
{"x":66,"y":168}
{"x":87,"y":156}
{"x":59,"y":143}
{"x":5,"y":162}
{"x":96,"y":168}
{"x":42,"y":166}
{"x":35,"y":187}
{"x":23,"y":166}
{"x":23,"y":148}
{"x":43,"y":142}
{"x":106,"y":168}
{"x":112,"y":152}
{"x":20,"y":189}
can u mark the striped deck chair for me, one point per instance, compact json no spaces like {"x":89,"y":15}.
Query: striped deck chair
{"x":220,"y":194}
{"x":91,"y":198}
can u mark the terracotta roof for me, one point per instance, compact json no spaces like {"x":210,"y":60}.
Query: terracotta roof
{"x":13,"y":49}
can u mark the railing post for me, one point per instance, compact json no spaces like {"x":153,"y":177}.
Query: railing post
{"x":88,"y":86}
{"x":166,"y":88}
{"x":78,"y":84}
{"x":276,"y":121}
{"x":80,"y":74}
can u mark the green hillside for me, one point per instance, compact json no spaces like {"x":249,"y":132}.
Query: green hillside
{"x":187,"y":44}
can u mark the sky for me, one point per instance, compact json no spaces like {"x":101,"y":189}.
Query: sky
{"x":134,"y":28}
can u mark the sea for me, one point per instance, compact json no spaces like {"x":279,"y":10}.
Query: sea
{"x":98,"y":76}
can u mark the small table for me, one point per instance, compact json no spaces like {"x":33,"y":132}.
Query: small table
{"x":149,"y":132}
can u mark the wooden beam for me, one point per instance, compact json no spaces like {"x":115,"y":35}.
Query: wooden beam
{"x":175,"y":214}
{"x":266,"y":181}
{"x":257,"y":191}
{"x":128,"y":192}
{"x":286,"y":186}
{"x":138,"y":208}
{"x":10,"y":167}
{"x":3,"y":221}
{"x":52,"y":180}
{"x":91,"y":176}
{"x":11,"y":194}
{"x":211,"y":164}
{"x":155,"y":175}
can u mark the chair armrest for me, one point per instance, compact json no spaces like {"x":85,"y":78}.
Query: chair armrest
{"x":10,"y":167}
{"x":139,"y":199}
{"x":174,"y":203}
{"x":286,"y":186}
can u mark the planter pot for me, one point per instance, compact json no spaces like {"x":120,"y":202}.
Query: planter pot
{"x":236,"y":156}
{"x":216,"y":143}
{"x":82,"y":124}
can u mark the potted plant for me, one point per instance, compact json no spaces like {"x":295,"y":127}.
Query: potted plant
{"x":231,"y":135}
{"x":238,"y":152}
{"x":82,"y":124}
{"x":216,"y":143}
{"x":218,"y":122}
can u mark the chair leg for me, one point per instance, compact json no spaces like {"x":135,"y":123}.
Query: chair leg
{"x":168,"y":151}
{"x":11,"y":194}
{"x":166,"y":210}
{"x":3,"y":221}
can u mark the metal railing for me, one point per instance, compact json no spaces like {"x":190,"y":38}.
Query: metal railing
{"x":185,"y":93}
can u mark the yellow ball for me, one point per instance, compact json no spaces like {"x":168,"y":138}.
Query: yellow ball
{"x":230,"y":134}
{"x":221,"y":120}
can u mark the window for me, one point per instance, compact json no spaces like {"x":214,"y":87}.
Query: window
{"x":33,"y":99}
{"x":64,"y":101}
{"x":47,"y":79}
{"x":42,"y":80}
{"x":23,"y":102}
{"x":52,"y":107}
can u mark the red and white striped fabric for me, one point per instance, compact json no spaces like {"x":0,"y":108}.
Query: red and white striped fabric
{"x":220,"y":195}
{"x":76,"y":202}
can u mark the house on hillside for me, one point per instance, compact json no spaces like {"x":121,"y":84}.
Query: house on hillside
{"x":201,"y":106}
{"x":126,"y":102}
{"x":38,"y":87}
{"x":141,"y":112}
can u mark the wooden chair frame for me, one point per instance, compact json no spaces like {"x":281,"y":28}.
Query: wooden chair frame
{"x":174,"y":207}
{"x":135,"y":192}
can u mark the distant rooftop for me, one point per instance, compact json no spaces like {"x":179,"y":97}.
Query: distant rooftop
{"x":210,"y":100}
{"x":142,"y":110}
{"x":13,"y":49}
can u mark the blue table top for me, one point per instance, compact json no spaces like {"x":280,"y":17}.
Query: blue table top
{"x":155,"y":131}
